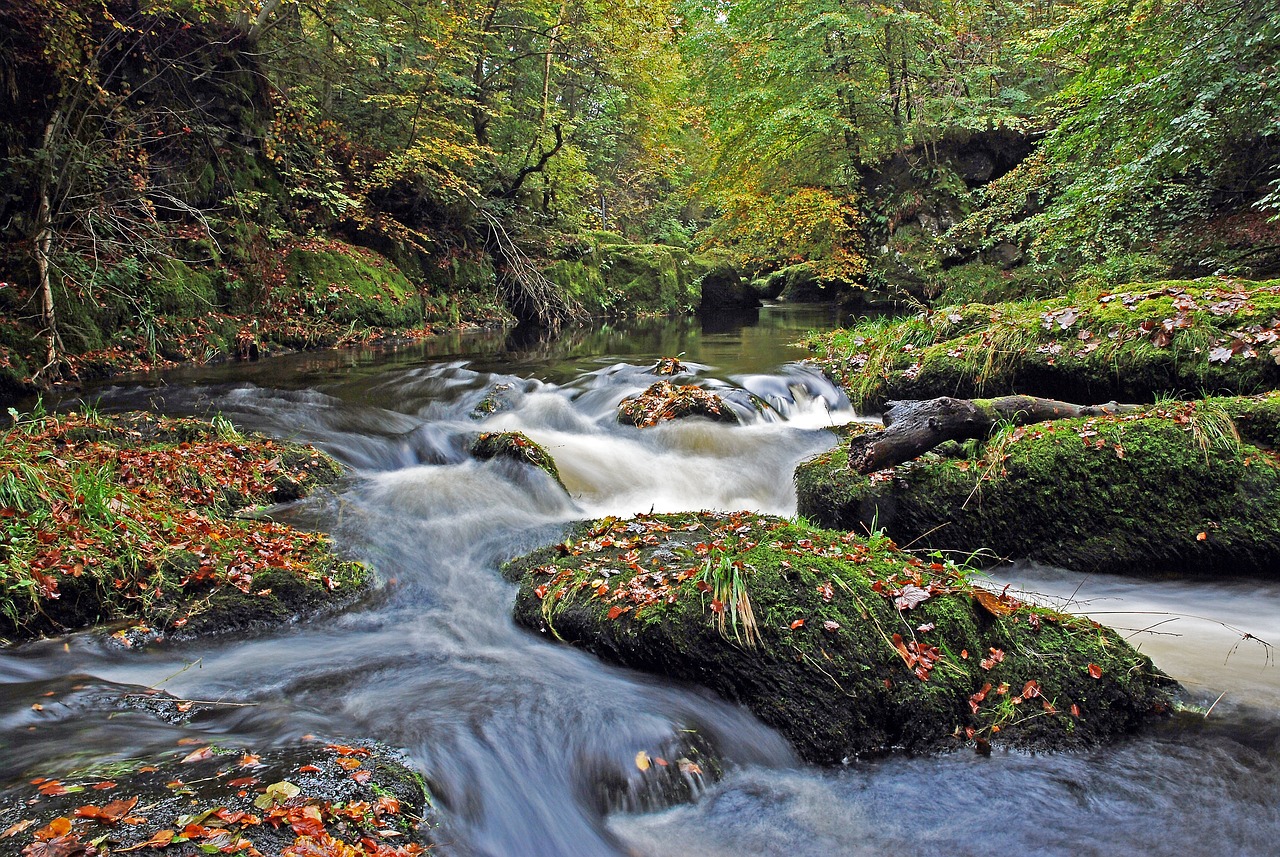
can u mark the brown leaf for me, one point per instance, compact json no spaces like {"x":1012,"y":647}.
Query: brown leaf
{"x":994,"y":604}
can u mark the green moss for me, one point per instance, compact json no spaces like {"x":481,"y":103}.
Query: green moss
{"x":176,"y":288}
{"x":631,"y":279}
{"x":516,"y":446}
{"x":1167,"y":490}
{"x":1088,"y":345}
{"x":1256,"y":417}
{"x":858,"y":647}
{"x":126,"y":518}
{"x":349,"y":285}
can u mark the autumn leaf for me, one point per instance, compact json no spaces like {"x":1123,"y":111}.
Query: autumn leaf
{"x":996,"y":605}
{"x":306,"y":821}
{"x":1095,"y":671}
{"x":642,"y":760}
{"x":109,"y":814}
{"x":198,"y":755}
{"x":911,"y":596}
{"x":797,"y":624}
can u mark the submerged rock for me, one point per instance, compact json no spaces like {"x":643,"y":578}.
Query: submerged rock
{"x":1172,"y":488}
{"x":502,"y":397}
{"x":667,"y":401}
{"x":518,"y":447}
{"x":847,"y":645}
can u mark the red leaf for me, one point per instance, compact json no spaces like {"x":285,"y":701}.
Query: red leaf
{"x":797,"y":624}
{"x":1095,"y":670}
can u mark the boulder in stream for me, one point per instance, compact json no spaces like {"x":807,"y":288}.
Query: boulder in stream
{"x":666,"y":401}
{"x":152,"y":522}
{"x":517,"y":446}
{"x":846,"y":644}
{"x":1176,"y":487}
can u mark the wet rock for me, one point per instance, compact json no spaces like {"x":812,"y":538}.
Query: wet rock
{"x":666,"y":367}
{"x":501,"y":397}
{"x":667,"y":401}
{"x":211,"y":796}
{"x":518,"y":447}
{"x":138,"y":529}
{"x":846,"y":645}
{"x":1169,"y":489}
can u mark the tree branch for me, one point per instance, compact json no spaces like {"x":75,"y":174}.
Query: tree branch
{"x":912,"y":428}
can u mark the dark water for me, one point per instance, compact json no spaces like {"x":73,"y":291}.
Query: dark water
{"x":530,"y":745}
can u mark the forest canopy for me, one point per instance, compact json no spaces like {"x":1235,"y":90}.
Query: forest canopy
{"x":164,"y":159}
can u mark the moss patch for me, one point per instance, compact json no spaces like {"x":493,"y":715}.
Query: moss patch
{"x":633,"y":279}
{"x":1088,"y":345}
{"x":127,"y":518}
{"x":1166,"y":490}
{"x":348,"y":285}
{"x":856,"y":646}
{"x":516,"y":446}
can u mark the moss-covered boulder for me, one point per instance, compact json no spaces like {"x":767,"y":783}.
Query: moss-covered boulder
{"x":314,"y":797}
{"x":847,"y":645}
{"x":518,"y":447}
{"x":1169,"y":489}
{"x":1088,"y":345}
{"x":666,"y":401}
{"x":133,"y":518}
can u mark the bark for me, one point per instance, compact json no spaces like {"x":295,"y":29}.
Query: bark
{"x":43,"y":249}
{"x":912,"y":428}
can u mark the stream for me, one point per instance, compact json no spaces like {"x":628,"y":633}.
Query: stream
{"x":529,"y":746}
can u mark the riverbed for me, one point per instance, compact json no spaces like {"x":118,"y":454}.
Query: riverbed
{"x":530,"y":746}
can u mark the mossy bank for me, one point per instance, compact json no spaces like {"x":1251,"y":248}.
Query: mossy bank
{"x":1178,"y":487}
{"x":847,"y":645}
{"x":1091,"y":344}
{"x":132,"y":519}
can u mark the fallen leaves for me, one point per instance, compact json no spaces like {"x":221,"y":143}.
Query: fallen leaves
{"x":111,"y":813}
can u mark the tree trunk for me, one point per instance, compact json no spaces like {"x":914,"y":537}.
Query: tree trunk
{"x":913,"y":428}
{"x":43,"y":249}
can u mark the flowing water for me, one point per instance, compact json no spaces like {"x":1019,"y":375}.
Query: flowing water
{"x":529,"y":745}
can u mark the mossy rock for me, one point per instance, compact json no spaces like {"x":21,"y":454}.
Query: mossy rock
{"x":1162,"y":491}
{"x":501,"y":397}
{"x":857,"y":647}
{"x":518,"y":447}
{"x":131,"y":519}
{"x":801,"y":284}
{"x":222,"y":797}
{"x":343,"y":285}
{"x":725,"y":286}
{"x":176,"y":288}
{"x":666,"y":401}
{"x":1088,"y":345}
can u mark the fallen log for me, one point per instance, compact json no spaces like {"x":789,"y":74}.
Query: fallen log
{"x":912,"y":428}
